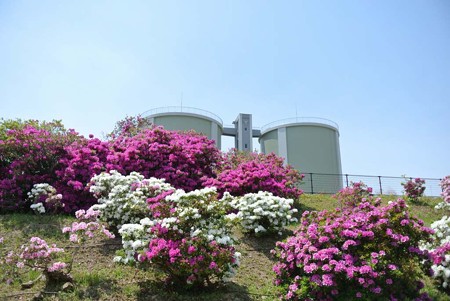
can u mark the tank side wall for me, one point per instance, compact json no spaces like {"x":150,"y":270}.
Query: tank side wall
{"x":269,"y":142}
{"x":185,"y":123}
{"x":315,"y":149}
{"x":282,"y":144}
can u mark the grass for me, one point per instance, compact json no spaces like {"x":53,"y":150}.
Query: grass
{"x":98,"y":278}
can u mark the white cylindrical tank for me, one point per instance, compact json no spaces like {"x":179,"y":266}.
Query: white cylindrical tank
{"x":309,"y":144}
{"x":187,"y":118}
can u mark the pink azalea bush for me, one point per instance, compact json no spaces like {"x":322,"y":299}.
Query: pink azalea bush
{"x":82,"y":160}
{"x":445,"y":184}
{"x":87,"y":227}
{"x":242,"y":173}
{"x":353,"y":195}
{"x":36,"y":255}
{"x":190,"y":240}
{"x":29,"y":155}
{"x":414,"y":189}
{"x":182,"y":159}
{"x":367,"y":252}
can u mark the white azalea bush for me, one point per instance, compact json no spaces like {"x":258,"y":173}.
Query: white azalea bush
{"x":262,"y":212}
{"x":44,"y":196}
{"x":188,"y":238}
{"x":440,"y":247}
{"x":123,"y":199}
{"x":135,"y":239}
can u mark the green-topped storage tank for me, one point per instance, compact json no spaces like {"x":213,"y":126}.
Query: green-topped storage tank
{"x":186,"y":119}
{"x":309,"y":144}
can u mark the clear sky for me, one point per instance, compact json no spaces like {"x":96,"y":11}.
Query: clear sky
{"x":380,"y":69}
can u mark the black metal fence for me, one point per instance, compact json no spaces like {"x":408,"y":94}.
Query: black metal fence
{"x":331,"y":183}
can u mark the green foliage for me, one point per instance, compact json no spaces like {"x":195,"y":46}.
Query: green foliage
{"x":54,"y":126}
{"x":129,"y":126}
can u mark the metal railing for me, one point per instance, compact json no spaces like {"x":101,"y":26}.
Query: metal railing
{"x":331,"y":183}
{"x":181,"y":109}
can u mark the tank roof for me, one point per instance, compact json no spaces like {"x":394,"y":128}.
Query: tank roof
{"x":299,"y":121}
{"x":183,"y":111}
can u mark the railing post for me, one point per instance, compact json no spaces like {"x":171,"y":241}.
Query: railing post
{"x":346,"y":179}
{"x":379,"y":181}
{"x":311,"y":180}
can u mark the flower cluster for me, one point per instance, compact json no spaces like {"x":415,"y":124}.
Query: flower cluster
{"x":87,"y":228}
{"x":368,"y":252}
{"x":135,"y":239}
{"x":123,"y":199}
{"x":44,"y":193}
{"x":36,"y":255}
{"x":191,"y":238}
{"x":263,"y":212}
{"x":240,"y":174}
{"x":353,"y":195}
{"x":414,"y":189}
{"x":38,"y":208}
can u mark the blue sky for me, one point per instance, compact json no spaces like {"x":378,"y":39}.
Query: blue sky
{"x":380,"y":69}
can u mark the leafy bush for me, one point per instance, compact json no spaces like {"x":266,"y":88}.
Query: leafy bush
{"x":242,"y":173}
{"x":129,"y":126}
{"x":263,"y":212}
{"x":367,"y":252}
{"x":190,"y":241}
{"x":6,"y":125}
{"x":123,"y":199}
{"x":414,"y":189}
